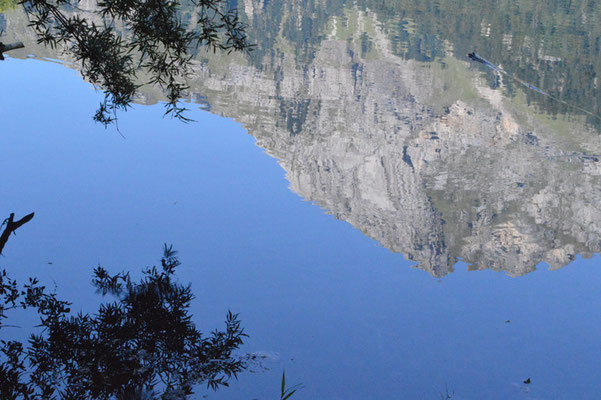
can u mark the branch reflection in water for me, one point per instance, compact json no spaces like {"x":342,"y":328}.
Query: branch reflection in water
{"x":143,"y":345}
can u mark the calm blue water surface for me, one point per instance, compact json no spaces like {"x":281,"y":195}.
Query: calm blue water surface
{"x":345,"y":317}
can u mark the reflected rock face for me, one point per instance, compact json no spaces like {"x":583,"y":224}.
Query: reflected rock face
{"x":424,"y":158}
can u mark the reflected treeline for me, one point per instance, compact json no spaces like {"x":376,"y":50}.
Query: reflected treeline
{"x":555,"y":45}
{"x":144,"y":345}
{"x":376,"y":114}
{"x":6,"y":5}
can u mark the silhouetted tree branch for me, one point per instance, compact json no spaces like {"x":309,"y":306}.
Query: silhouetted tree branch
{"x":10,"y":226}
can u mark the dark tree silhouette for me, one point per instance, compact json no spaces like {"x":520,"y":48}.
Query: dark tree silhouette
{"x":10,"y":226}
{"x":136,"y":37}
{"x":143,"y":345}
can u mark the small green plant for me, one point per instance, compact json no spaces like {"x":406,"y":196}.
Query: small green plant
{"x":287,"y":393}
{"x":446,"y":395}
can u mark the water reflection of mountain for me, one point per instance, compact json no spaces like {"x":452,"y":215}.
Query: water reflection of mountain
{"x":423,"y":157}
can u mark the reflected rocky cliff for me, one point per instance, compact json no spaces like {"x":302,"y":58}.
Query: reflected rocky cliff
{"x":432,"y":157}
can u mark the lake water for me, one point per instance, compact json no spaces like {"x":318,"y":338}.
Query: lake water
{"x":389,"y":218}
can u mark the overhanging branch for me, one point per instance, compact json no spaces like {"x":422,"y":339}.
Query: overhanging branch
{"x":8,"y":47}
